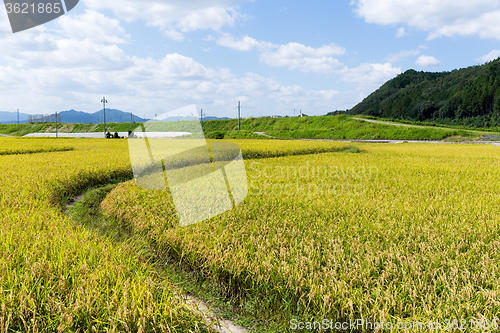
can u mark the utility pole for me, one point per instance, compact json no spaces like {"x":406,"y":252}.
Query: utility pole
{"x":294,"y":112}
{"x":201,"y":122}
{"x":56,"y":126}
{"x":18,"y":116}
{"x":104,"y":101}
{"x":239,"y":115}
{"x":301,"y":113}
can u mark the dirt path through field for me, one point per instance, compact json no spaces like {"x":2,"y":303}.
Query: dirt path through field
{"x":493,"y":143}
{"x":224,"y":325}
{"x":221,"y":325}
{"x":386,"y":123}
{"x":264,"y":134}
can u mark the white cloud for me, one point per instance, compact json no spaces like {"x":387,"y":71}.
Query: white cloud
{"x":208,"y":38}
{"x":43,"y":72}
{"x":303,"y":97}
{"x":369,"y":76}
{"x":87,"y":41}
{"x":485,"y":26}
{"x":297,"y":56}
{"x":209,"y":18}
{"x":319,"y":60}
{"x":401,"y":32}
{"x":438,"y":17}
{"x":95,"y":27}
{"x":175,"y":16}
{"x":403,"y":55}
{"x":175,"y":35}
{"x":489,"y":57}
{"x":427,"y":61}
{"x":244,"y":44}
{"x":145,"y":85}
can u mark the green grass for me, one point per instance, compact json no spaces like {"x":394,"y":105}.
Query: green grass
{"x":430,"y":123}
{"x":23,"y":129}
{"x":332,"y":127}
{"x":233,"y":135}
{"x":88,"y":212}
{"x":323,"y":127}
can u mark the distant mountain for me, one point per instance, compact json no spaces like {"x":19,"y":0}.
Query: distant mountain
{"x":112,"y":116}
{"x":11,"y":117}
{"x":80,"y":117}
{"x":215,"y":118}
{"x":76,"y":117}
{"x":205,"y":118}
{"x":469,"y":96}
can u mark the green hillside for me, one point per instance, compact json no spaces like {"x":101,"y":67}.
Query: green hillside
{"x":469,"y":96}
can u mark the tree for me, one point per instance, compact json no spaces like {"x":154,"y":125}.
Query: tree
{"x":424,"y":110}
{"x":449,"y":109}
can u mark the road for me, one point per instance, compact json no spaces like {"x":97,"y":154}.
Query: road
{"x":385,"y":123}
{"x":396,"y":141}
{"x":262,"y":133}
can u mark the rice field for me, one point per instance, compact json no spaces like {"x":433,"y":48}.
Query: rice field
{"x":57,"y":276}
{"x":404,"y":233}
{"x":394,"y":233}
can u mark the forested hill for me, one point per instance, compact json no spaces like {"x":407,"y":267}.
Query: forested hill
{"x":469,"y":96}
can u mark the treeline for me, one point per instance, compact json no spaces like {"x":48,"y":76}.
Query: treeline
{"x":469,"y":96}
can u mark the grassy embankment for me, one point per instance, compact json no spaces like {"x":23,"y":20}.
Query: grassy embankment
{"x":324,"y":127}
{"x":23,"y":129}
{"x":430,"y":123}
{"x":332,"y":127}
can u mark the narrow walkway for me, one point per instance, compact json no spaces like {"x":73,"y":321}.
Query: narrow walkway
{"x":220,"y":324}
{"x":386,"y":123}
{"x":262,"y":133}
{"x":493,"y":143}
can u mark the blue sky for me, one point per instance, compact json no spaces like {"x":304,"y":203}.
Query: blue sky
{"x":153,"y":56}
